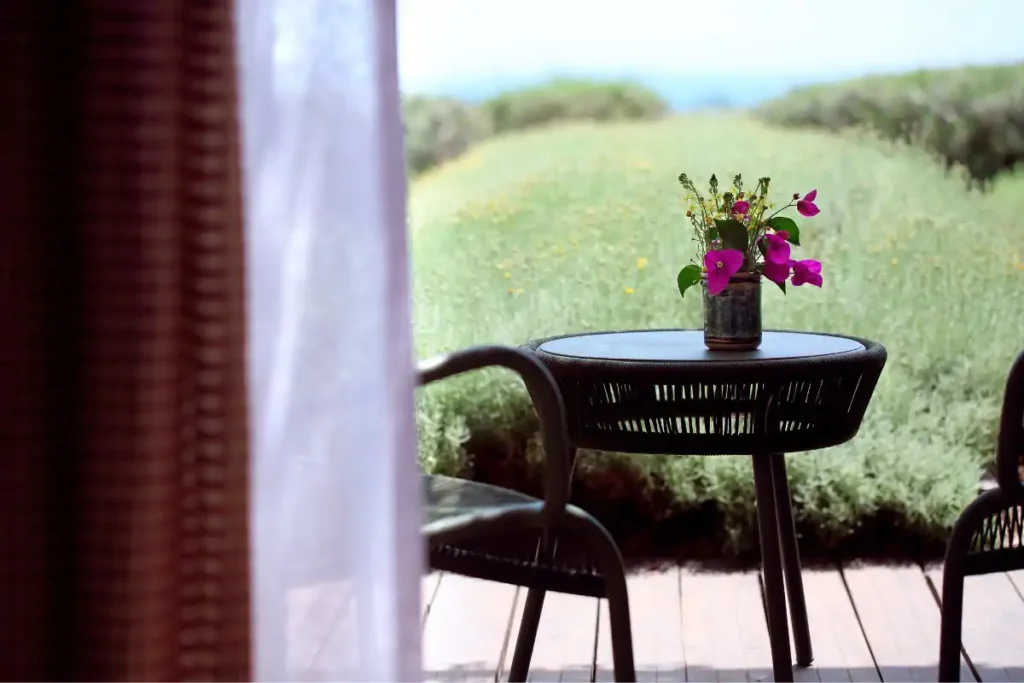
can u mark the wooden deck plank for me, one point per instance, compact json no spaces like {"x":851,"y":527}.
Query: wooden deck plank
{"x":466,"y":628}
{"x":900,"y":619}
{"x":314,"y":611}
{"x":324,"y":627}
{"x":428,"y":591}
{"x":300,"y":649}
{"x":712,"y":640}
{"x":1017,"y":579}
{"x":992,"y":631}
{"x":747,"y":607}
{"x":840,"y":651}
{"x":330,"y":607}
{"x":513,"y":634}
{"x":696,"y":626}
{"x":335,"y":660}
{"x":565,"y":639}
{"x":657,"y":621}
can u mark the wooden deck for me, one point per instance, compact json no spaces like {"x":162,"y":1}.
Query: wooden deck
{"x":868,"y":623}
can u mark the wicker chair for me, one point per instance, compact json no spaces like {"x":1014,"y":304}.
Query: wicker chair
{"x":496,"y":534}
{"x":989,"y":535}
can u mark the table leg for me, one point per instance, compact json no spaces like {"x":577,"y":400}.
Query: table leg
{"x":771,"y":560}
{"x":791,"y":561}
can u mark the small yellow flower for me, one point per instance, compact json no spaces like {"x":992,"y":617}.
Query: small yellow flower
{"x":1019,"y":265}
{"x":515,"y":290}
{"x":628,"y":290}
{"x":895,"y":262}
{"x":641,"y":263}
{"x":508,"y":275}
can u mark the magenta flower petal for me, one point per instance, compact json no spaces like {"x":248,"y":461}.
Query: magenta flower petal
{"x":807,"y":272}
{"x":776,"y":272}
{"x":717,"y":282}
{"x":811,"y":265}
{"x":807,"y":209}
{"x":721,"y":264}
{"x":733,"y":259}
{"x":741,"y":207}
{"x":806,"y":206}
{"x":777,"y":250}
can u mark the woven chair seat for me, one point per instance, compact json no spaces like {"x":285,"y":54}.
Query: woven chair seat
{"x":448,"y":497}
{"x":513,"y":558}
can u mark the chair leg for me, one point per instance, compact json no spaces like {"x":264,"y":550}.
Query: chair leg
{"x":791,"y":561}
{"x":609,"y":562}
{"x":621,"y":629}
{"x":954,"y":572}
{"x":527,"y":636}
{"x":951,"y":621}
{"x":771,"y":561}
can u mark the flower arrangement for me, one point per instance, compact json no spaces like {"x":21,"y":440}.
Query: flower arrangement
{"x":735,"y":233}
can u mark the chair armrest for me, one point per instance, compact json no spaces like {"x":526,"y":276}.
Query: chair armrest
{"x":544,"y":393}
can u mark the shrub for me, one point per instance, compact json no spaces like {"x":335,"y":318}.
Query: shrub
{"x":573,"y":100}
{"x":438,"y":129}
{"x":971,"y":117}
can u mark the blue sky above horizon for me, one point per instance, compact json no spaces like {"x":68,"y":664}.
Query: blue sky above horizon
{"x":446,"y":41}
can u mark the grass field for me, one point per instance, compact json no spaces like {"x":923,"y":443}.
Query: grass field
{"x":539,"y":234}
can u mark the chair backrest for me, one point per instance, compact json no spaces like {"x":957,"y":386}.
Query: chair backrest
{"x":544,"y":393}
{"x":1010,"y":450}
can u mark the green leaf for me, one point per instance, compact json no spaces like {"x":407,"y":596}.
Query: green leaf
{"x":787,"y":224}
{"x":688,"y":277}
{"x":733,"y":234}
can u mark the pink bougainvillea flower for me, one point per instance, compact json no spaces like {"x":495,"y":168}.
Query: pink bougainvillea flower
{"x":806,"y":206}
{"x":777,"y":248}
{"x":776,"y":272}
{"x":721,"y":264}
{"x":807,"y":271}
{"x":741,"y":207}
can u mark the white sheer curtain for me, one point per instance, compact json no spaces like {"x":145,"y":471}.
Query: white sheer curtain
{"x":335,"y":497}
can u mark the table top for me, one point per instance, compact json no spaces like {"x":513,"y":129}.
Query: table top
{"x":668,"y":346}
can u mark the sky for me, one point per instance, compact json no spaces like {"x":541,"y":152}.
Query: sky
{"x":441,"y":41}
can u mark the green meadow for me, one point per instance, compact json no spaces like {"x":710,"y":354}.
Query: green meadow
{"x":580,"y":227}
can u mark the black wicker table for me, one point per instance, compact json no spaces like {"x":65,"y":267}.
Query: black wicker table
{"x":663,"y":392}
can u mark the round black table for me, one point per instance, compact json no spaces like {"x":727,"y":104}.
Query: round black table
{"x":663,"y":392}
